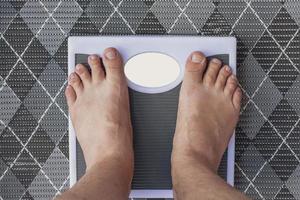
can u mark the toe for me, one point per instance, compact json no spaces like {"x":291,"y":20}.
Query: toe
{"x":70,"y":95}
{"x":212,"y":72}
{"x":195,"y":67}
{"x":236,"y":99}
{"x":83,"y":73}
{"x":223,"y":76}
{"x":96,"y":67}
{"x":231,"y":85}
{"x":113,"y":64}
{"x":76,"y":83}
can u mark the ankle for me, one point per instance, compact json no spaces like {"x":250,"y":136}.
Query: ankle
{"x":188,"y":171}
{"x":188,"y":160}
{"x":206,"y":156}
{"x":125,"y":158}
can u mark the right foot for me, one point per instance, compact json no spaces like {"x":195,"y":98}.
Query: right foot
{"x":208,"y":112}
{"x":99,"y":109}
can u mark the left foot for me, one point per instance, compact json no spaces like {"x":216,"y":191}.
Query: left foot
{"x":208,"y":111}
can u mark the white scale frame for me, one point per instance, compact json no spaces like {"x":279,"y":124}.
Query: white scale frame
{"x":178,"y":47}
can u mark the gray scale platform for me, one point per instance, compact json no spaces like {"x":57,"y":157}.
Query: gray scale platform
{"x":153,"y":119}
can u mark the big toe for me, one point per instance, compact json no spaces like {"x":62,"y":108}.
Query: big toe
{"x":194,"y":68}
{"x":113,"y":64}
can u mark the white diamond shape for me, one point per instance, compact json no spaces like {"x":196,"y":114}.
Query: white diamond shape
{"x":9,"y":104}
{"x":67,"y":14}
{"x":51,"y":36}
{"x":34,"y":15}
{"x":160,"y":8}
{"x":57,"y":168}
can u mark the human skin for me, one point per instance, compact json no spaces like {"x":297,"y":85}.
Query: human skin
{"x":208,"y":111}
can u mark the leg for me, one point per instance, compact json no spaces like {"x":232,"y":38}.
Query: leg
{"x":99,"y":109}
{"x":208,"y":111}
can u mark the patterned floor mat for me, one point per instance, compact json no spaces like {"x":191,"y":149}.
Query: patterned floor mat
{"x":33,"y":76}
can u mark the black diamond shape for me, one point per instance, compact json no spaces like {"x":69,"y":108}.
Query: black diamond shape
{"x":242,"y":51}
{"x":293,"y":140}
{"x":284,"y":163}
{"x":149,"y":3}
{"x":283,"y":27}
{"x":25,"y":169}
{"x":54,"y":123}
{"x":267,"y":135}
{"x":293,"y":50}
{"x":241,"y":142}
{"x":7,"y":58}
{"x":61,"y":100}
{"x":252,"y":193}
{"x":284,"y":194}
{"x":9,"y":146}
{"x":36,"y":57}
{"x":240,"y":181}
{"x":216,"y":2}
{"x":150,"y":25}
{"x":84,"y":26}
{"x":20,"y":81}
{"x":23,"y":123}
{"x":18,"y":34}
{"x":283,"y":74}
{"x":53,"y":78}
{"x":283,"y":117}
{"x":27,"y":196}
{"x":99,"y":11}
{"x":18,"y":4}
{"x":216,"y":25}
{"x":3,"y":166}
{"x":83,"y":3}
{"x":61,"y":56}
{"x":11,"y":188}
{"x":41,"y":146}
{"x":266,"y":51}
{"x":64,"y":144}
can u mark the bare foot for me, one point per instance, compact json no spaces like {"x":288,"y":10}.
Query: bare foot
{"x":99,"y":109}
{"x":208,"y":112}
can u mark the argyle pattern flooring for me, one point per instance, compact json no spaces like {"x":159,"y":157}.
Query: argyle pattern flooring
{"x":33,"y":76}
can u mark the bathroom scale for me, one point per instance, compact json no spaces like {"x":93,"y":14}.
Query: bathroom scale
{"x":154,"y":68}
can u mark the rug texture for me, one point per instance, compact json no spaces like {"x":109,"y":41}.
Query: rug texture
{"x":33,"y":76}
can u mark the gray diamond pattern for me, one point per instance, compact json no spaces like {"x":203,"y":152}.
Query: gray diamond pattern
{"x":33,"y":63}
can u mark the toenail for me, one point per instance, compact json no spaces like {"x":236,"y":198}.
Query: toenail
{"x":227,"y":68}
{"x":217,"y":61}
{"x":196,"y":58}
{"x":78,"y":68}
{"x":233,"y":77}
{"x":72,"y":76}
{"x":92,"y":57}
{"x":110,"y":54}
